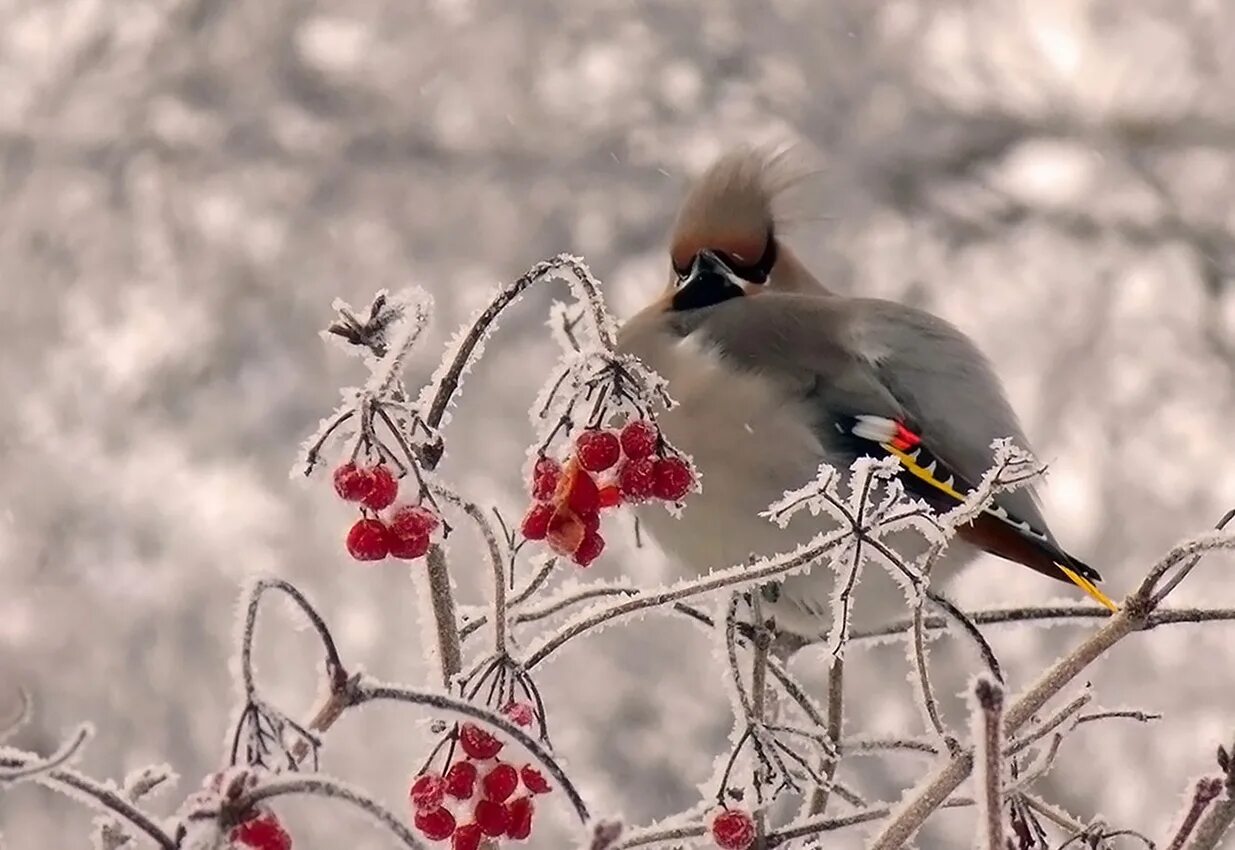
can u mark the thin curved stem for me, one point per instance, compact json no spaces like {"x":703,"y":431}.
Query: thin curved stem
{"x":320,"y":786}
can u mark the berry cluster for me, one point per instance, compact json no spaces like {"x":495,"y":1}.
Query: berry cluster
{"x":606,"y":469}
{"x":733,"y":829}
{"x":480,"y":796}
{"x":405,"y":532}
{"x":262,"y":831}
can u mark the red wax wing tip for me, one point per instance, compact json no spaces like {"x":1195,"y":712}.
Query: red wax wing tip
{"x":491,"y":817}
{"x":435,"y":824}
{"x":261,"y":832}
{"x":461,"y":780}
{"x":597,"y":450}
{"x":519,"y":813}
{"x":467,"y":837}
{"x":367,"y":540}
{"x":904,"y":439}
{"x":733,"y":830}
{"x":384,"y":491}
{"x":428,"y":791}
{"x":639,"y":438}
{"x":478,"y":743}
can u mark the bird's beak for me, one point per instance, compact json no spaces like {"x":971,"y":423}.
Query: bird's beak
{"x":709,"y":282}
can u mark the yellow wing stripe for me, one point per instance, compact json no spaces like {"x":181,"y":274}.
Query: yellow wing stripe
{"x":1090,"y":588}
{"x":914,"y":467}
{"x":918,"y":470}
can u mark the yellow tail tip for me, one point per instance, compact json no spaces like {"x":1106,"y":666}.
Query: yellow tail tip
{"x":1090,"y":588}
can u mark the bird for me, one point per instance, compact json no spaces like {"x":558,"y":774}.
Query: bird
{"x":774,"y":374}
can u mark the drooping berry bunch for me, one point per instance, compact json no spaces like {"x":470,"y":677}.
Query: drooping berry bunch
{"x":478,"y":796}
{"x":384,"y":528}
{"x":606,"y":468}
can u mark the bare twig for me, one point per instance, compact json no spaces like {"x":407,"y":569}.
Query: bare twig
{"x":441,"y":598}
{"x":988,"y":733}
{"x":1217,"y":821}
{"x":60,"y":778}
{"x":836,"y":714}
{"x":60,"y":757}
{"x":1204,"y":792}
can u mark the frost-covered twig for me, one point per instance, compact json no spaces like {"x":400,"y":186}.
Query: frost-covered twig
{"x":1048,"y":726}
{"x":1204,"y":792}
{"x":104,"y":796}
{"x":1217,"y":821}
{"x":437,"y":397}
{"x":19,"y":717}
{"x":446,"y":623}
{"x":325,"y":786}
{"x":62,"y":756}
{"x":1133,"y":616}
{"x":988,"y":737}
{"x":371,"y":691}
{"x":836,"y":713}
{"x":733,"y":577}
{"x":446,"y":618}
{"x":1182,"y":574}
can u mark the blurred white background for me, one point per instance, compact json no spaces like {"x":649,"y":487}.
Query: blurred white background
{"x":185,"y":186}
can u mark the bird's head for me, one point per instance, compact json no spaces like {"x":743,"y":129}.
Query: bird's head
{"x":724,"y":243}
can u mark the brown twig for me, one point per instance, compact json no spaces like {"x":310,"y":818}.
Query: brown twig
{"x":988,"y":710}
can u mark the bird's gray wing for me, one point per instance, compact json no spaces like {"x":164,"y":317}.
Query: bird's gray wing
{"x":866,"y":357}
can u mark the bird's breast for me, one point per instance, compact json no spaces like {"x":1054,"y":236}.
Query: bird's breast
{"x":750,"y":441}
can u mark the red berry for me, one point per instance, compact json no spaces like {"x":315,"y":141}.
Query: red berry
{"x":436,"y":824}
{"x":478,"y":743}
{"x":491,"y":817}
{"x":566,"y":532}
{"x":534,"y":780}
{"x":637,"y":479}
{"x":578,"y":490}
{"x":545,"y":476}
{"x":352,"y":482}
{"x":368,"y":541}
{"x":461,"y":780}
{"x":520,"y":713}
{"x":466,"y":837}
{"x":733,"y":829}
{"x":519,"y":818}
{"x":673,"y":479}
{"x":597,"y":450}
{"x":261,"y":832}
{"x":384,"y":491}
{"x":639,"y":438}
{"x":409,"y":548}
{"x":500,"y":782}
{"x":428,"y":791}
{"x":536,"y":521}
{"x":414,"y":521}
{"x":589,"y":548}
{"x":610,"y":495}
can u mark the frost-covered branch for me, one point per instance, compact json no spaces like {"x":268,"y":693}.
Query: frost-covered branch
{"x":468,"y":346}
{"x":329,"y":788}
{"x":1217,"y":821}
{"x":988,"y":737}
{"x":1133,"y":616}
{"x":62,"y":756}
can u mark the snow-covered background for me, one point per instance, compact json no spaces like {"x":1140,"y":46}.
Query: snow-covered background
{"x":186,"y":184}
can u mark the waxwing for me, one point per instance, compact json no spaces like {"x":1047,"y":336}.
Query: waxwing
{"x":774,"y":374}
